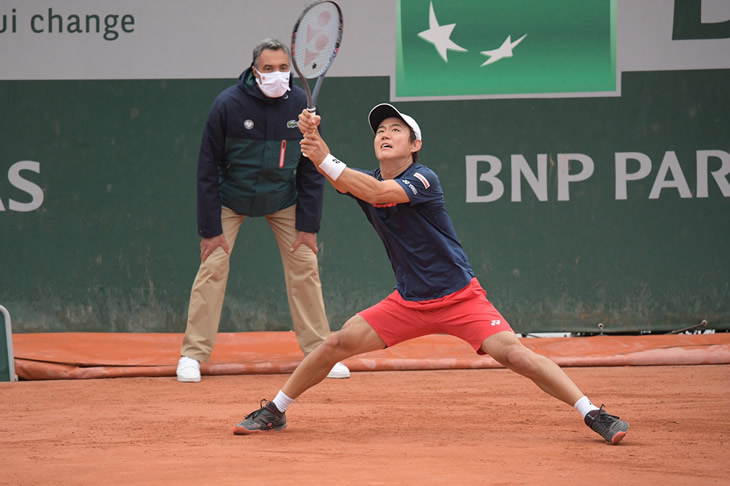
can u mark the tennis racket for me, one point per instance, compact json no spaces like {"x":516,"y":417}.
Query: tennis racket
{"x":314,"y":45}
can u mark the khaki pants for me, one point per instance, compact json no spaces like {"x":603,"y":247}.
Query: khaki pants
{"x":303,"y":288}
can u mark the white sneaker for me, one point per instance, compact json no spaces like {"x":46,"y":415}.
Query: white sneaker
{"x":339,"y":371}
{"x":188,"y":370}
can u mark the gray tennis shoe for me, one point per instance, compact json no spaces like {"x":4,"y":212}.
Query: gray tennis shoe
{"x":264,"y":419}
{"x":607,"y":426}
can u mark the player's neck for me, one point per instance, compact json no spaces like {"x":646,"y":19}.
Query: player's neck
{"x":390,"y":169}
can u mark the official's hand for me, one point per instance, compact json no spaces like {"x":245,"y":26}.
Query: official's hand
{"x":208,"y":245}
{"x":309,"y":239}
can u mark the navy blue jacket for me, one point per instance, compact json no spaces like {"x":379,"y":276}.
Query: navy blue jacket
{"x":250,"y":159}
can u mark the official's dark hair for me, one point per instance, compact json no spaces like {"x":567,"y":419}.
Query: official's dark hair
{"x":271,"y":44}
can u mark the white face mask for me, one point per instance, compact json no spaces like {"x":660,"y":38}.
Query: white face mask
{"x":274,"y":84}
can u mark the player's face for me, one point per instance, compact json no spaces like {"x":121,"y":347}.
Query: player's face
{"x":393,"y":140}
{"x":270,"y":61}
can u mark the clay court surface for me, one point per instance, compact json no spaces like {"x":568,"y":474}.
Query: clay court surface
{"x":385,"y":427}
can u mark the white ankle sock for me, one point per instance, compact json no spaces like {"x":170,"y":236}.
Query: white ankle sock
{"x":584,"y":406}
{"x":282,"y":401}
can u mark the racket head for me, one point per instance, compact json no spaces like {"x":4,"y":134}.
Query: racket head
{"x":316,"y":39}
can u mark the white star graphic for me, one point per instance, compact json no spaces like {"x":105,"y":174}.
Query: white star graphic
{"x":505,"y":50}
{"x":439,"y":36}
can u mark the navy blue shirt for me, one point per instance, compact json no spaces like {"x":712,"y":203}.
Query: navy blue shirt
{"x":250,"y":160}
{"x":419,"y":237}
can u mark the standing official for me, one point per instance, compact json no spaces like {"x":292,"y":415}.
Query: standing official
{"x":250,"y":164}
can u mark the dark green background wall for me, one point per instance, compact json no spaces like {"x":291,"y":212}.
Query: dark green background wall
{"x":114,"y":246}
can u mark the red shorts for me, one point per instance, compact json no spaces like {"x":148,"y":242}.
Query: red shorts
{"x":466,"y":314}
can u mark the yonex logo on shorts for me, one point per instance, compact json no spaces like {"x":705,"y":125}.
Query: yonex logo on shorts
{"x":496,"y":322}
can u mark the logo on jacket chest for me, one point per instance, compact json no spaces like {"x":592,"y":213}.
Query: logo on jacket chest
{"x":248,"y":124}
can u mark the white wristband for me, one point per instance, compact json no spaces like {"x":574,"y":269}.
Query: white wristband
{"x":332,"y":167}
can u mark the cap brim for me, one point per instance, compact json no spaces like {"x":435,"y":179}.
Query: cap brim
{"x":380,"y":113}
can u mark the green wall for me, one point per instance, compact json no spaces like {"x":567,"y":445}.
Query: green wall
{"x":114,"y":246}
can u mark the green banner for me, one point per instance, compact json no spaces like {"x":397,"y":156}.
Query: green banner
{"x":496,"y":48}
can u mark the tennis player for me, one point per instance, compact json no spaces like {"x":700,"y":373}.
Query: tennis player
{"x":437,"y":291}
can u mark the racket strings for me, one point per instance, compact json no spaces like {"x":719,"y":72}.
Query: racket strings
{"x":317,"y":39}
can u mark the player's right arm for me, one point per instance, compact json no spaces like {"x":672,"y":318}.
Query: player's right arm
{"x":346,"y":180}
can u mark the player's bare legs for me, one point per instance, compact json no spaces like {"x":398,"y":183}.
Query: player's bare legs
{"x":510,"y":352}
{"x":356,"y":337}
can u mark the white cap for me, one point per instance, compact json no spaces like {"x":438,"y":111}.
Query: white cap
{"x":385,"y":110}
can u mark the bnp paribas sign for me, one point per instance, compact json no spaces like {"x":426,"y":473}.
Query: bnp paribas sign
{"x":459,"y":49}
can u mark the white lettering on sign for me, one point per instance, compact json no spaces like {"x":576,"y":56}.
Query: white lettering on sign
{"x":483,"y":182}
{"x":19,"y":182}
